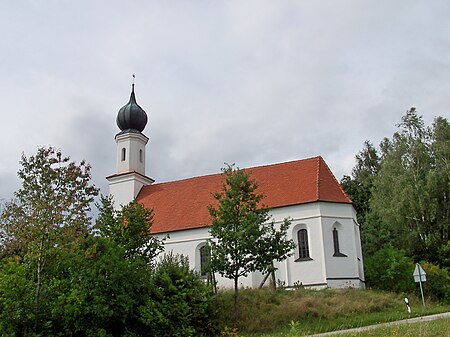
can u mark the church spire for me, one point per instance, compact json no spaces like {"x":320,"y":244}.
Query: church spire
{"x":131,"y":117}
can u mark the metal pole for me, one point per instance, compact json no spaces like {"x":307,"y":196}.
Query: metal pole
{"x":420,"y":282}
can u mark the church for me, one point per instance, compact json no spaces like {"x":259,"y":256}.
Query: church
{"x":323,"y":220}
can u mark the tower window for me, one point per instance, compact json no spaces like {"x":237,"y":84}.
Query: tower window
{"x":141,"y":157}
{"x":124,"y":151}
{"x":303,"y":247}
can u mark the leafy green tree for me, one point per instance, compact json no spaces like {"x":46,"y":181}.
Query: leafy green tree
{"x":411,"y":193}
{"x":130,"y":228}
{"x":244,"y":237}
{"x":50,"y":212}
{"x":402,"y":191}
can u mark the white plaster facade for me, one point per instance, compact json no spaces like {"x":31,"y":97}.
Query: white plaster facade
{"x":322,"y":270}
{"x":130,"y":176}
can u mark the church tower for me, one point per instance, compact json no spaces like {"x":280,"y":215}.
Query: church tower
{"x":130,"y":176}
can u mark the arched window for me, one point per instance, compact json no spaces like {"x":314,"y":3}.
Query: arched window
{"x":124,"y":151}
{"x":141,"y":157}
{"x":337,"y":251}
{"x":302,"y":242}
{"x":205,"y":256}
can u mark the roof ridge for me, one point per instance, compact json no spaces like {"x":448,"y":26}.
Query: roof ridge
{"x":246,"y":168}
{"x":334,"y":178}
{"x":318,"y":179}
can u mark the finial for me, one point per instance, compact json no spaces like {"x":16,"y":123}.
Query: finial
{"x":134,"y":76}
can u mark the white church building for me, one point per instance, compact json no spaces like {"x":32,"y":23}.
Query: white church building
{"x":323,"y":219}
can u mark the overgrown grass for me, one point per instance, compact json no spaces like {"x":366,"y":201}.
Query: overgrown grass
{"x":264,"y":312}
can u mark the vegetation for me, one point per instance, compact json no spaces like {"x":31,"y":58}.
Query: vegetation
{"x":49,"y":215}
{"x":264,"y":312}
{"x":402,"y":194}
{"x":61,"y":276}
{"x":244,"y":238}
{"x":439,"y":327}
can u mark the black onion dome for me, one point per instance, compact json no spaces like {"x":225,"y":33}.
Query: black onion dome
{"x":131,"y":116}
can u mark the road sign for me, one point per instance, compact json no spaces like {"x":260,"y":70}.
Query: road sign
{"x":419,"y":274}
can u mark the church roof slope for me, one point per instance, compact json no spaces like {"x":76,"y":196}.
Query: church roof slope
{"x":183,"y":204}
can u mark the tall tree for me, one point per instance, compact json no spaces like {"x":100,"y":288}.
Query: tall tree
{"x":50,"y":211}
{"x":411,"y":191}
{"x":245,"y":239}
{"x":358,"y":186}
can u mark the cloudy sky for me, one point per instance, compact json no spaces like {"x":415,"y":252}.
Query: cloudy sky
{"x":245,"y":82}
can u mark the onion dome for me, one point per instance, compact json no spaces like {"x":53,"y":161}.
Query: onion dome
{"x":131,"y":116}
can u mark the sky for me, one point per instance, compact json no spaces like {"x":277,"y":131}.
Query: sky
{"x":250,"y":82}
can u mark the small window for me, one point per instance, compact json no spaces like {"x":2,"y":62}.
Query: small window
{"x":303,"y":248}
{"x":337,"y":251}
{"x":124,"y":151}
{"x":141,"y":159}
{"x":205,"y":257}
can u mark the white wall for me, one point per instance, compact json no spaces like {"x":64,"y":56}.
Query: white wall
{"x":321,"y":271}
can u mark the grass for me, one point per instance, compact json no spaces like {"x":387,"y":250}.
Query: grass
{"x":284,"y":312}
{"x":435,"y":328}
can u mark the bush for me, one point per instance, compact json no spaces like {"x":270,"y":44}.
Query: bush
{"x":389,"y":269}
{"x":437,"y":286}
{"x":16,"y":301}
{"x":180,"y":304}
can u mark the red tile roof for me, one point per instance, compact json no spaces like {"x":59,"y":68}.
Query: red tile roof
{"x":183,"y":204}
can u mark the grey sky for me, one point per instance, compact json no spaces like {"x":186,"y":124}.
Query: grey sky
{"x":245,"y":82}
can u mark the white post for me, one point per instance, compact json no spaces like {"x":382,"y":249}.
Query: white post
{"x":420,"y":282}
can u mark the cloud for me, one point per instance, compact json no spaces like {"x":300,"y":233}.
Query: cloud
{"x":250,"y":82}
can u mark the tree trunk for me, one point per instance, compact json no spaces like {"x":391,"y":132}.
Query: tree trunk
{"x":235,"y":307}
{"x":40,"y":266}
{"x":274,"y":281}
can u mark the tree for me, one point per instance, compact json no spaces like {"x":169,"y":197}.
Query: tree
{"x":50,"y":212}
{"x":411,"y":193}
{"x":402,"y":190}
{"x":358,"y":186}
{"x":244,"y":238}
{"x":130,"y":228}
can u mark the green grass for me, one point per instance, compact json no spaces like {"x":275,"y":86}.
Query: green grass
{"x":440,"y":327}
{"x":281,"y":313}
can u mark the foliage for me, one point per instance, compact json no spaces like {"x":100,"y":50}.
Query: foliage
{"x":50,"y":213}
{"x":437,"y":285}
{"x":130,"y":228}
{"x":98,"y":291}
{"x":390,"y":269}
{"x":244,"y":238}
{"x":412,"y":189}
{"x":52,"y":206}
{"x":403,"y":192}
{"x":16,"y":300}
{"x":264,"y":312}
{"x":59,"y":277}
{"x":180,"y":304}
{"x":358,"y":186}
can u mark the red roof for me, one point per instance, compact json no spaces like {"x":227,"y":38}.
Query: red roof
{"x":183,"y":204}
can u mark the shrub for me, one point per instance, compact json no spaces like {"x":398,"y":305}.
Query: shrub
{"x":437,"y":286}
{"x":389,"y":269}
{"x":180,"y":304}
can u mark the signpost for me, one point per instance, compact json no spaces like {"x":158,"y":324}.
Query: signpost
{"x":420,"y":276}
